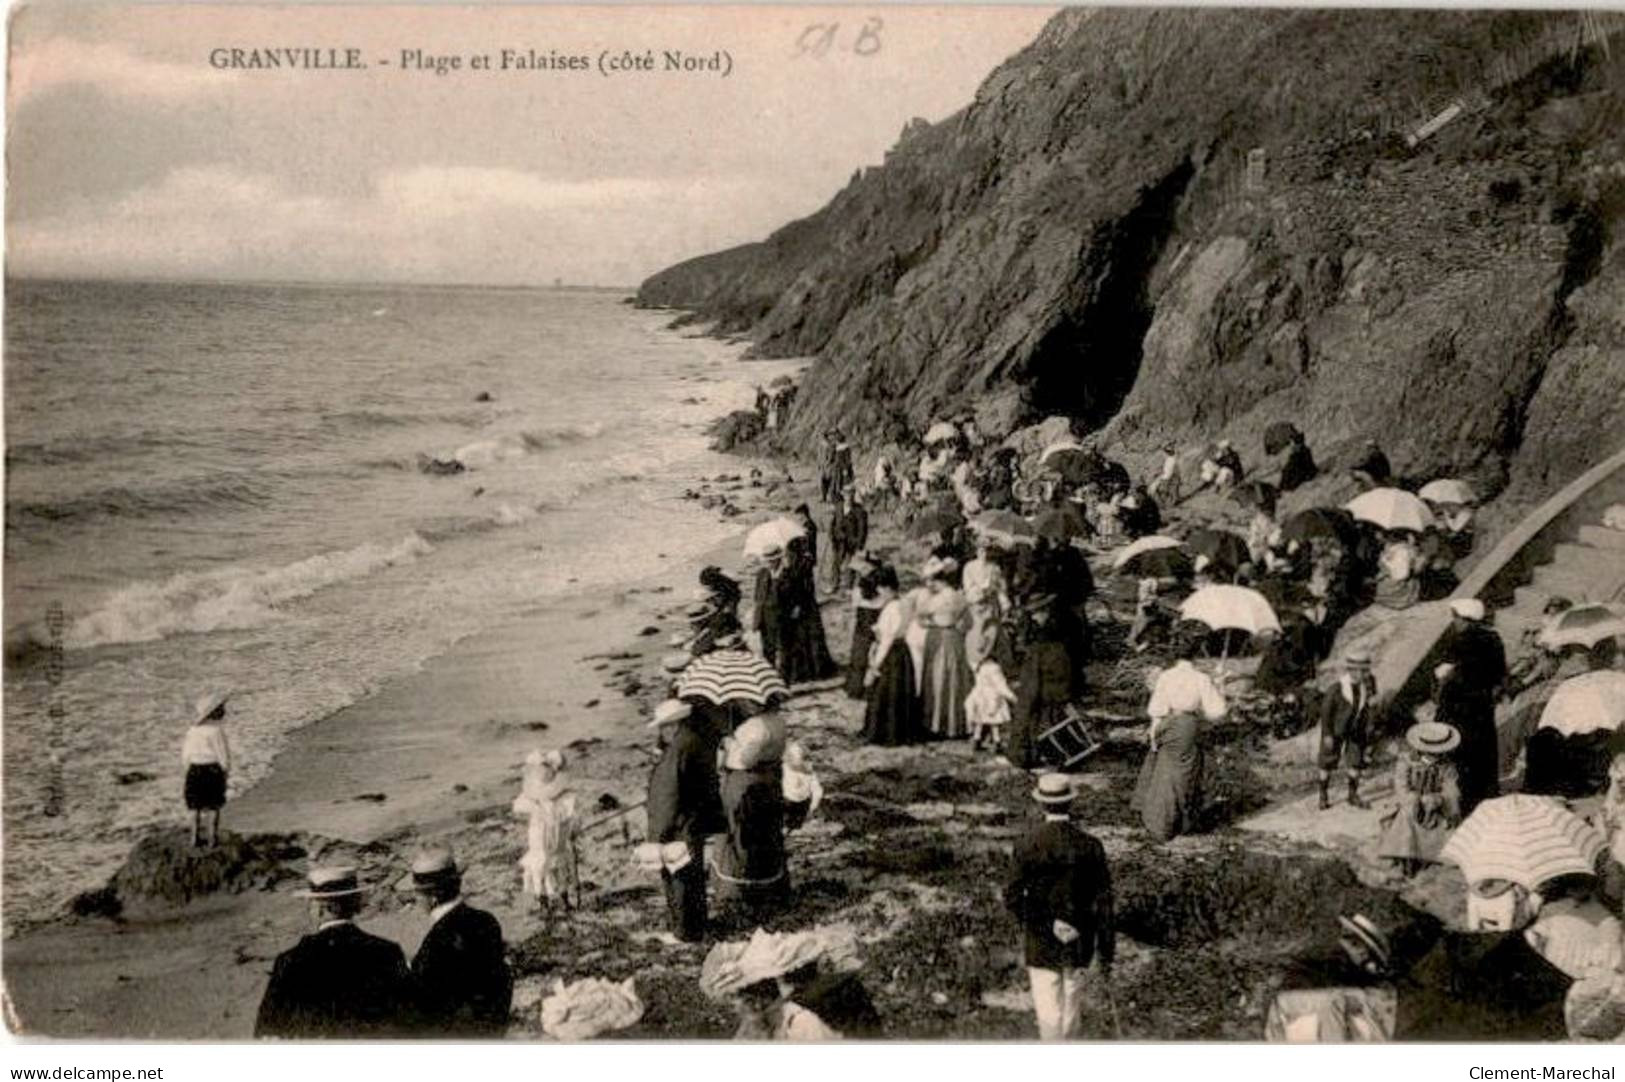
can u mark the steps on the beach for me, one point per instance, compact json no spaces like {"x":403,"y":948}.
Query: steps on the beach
{"x":1577,"y":584}
{"x":1587,"y":559}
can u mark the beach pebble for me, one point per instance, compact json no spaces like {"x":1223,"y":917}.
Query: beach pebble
{"x":132,"y":777}
{"x":372,"y":798}
{"x":650,"y":630}
{"x":590,"y":703}
{"x":939,"y":998}
{"x":459,"y":788}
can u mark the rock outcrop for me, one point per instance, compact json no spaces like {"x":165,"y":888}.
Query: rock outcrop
{"x":1177,"y":223}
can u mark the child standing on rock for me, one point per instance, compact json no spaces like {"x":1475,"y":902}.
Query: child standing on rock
{"x":207,"y":758}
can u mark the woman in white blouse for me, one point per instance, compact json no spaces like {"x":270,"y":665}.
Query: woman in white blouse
{"x":207,"y":757}
{"x":892,"y":716}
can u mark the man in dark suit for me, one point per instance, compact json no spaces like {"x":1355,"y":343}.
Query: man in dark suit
{"x":1472,"y":668}
{"x":1062,"y":894}
{"x":685,"y":804}
{"x":338,"y":981}
{"x":461,"y":983}
{"x":848,"y":533}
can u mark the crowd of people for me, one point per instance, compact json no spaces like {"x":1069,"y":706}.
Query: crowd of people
{"x":989,"y":637}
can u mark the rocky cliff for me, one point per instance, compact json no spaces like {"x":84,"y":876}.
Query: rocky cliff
{"x":1177,"y":223}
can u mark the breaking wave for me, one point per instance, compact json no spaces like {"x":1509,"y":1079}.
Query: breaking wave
{"x":231,"y":598}
{"x":519,"y":444}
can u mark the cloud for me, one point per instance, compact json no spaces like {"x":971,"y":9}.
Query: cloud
{"x":458,"y":223}
{"x":111,"y":68}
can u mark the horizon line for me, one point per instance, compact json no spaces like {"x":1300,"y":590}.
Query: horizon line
{"x":307,"y":283}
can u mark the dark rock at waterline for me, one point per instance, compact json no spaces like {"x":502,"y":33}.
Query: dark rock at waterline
{"x":371,"y":798}
{"x":133,"y":777}
{"x":440,"y":467}
{"x":165,"y":867}
{"x":649,"y":630}
{"x":1087,"y":238}
{"x":735,"y":430}
{"x":483,"y":396}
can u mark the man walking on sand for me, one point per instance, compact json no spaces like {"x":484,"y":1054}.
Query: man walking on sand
{"x":460,"y":974}
{"x":1062,"y":894}
{"x":685,"y":805}
{"x":338,"y":981}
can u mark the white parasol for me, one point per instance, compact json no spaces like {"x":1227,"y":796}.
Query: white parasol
{"x":1584,"y":625}
{"x":1586,"y":703}
{"x":1449,"y":490}
{"x":773,"y":534}
{"x":1144,"y":544}
{"x":1523,"y":839}
{"x":941,"y":432}
{"x":1060,"y":445}
{"x":1225,"y":607}
{"x":1392,"y":509}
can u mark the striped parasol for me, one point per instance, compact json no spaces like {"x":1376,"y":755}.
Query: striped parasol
{"x":727,"y":676}
{"x":1523,"y":839}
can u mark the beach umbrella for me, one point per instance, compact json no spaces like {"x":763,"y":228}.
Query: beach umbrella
{"x":1584,"y":625}
{"x":1523,"y":839}
{"x":1224,"y":607}
{"x":1586,"y":703}
{"x":1448,"y":490}
{"x":1061,"y":524}
{"x":941,"y":432}
{"x":935,"y":520}
{"x":1154,"y":543}
{"x":1331,"y":523}
{"x":1163,"y":563}
{"x":774,"y":533}
{"x":1005,"y":526}
{"x":1222,"y":547}
{"x":1060,"y":445}
{"x":1392,"y":509}
{"x":1278,"y":435}
{"x":730,"y":676}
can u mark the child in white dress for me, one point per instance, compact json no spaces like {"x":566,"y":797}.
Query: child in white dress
{"x":547,"y":800}
{"x":987,"y":707}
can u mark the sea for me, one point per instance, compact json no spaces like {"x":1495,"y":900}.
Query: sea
{"x":219,"y":486}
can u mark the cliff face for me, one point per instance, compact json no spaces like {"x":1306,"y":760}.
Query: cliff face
{"x":1087,"y":238}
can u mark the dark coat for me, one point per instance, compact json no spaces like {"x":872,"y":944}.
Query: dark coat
{"x":337,"y":982}
{"x":1061,"y":874}
{"x":462,"y":986}
{"x":1299,"y":469}
{"x":842,"y":1003}
{"x":1340,"y":719}
{"x":849,"y":530}
{"x":1289,"y":661}
{"x":685,"y":794}
{"x":1467,"y":701}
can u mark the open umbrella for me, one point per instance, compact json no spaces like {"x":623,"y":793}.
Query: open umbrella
{"x":1392,"y":509}
{"x":1331,"y":523}
{"x":728,"y":676}
{"x":772,"y":534}
{"x":1278,"y":435}
{"x":1222,"y":547}
{"x":1005,"y":526}
{"x":1060,"y":524}
{"x":1154,"y":543}
{"x":1224,"y":607}
{"x":1066,"y":444}
{"x":1584,"y":625}
{"x":1448,"y":490}
{"x":1523,"y":839}
{"x":1164,"y":563}
{"x":933,"y":521}
{"x":1586,"y":703}
{"x":941,"y":432}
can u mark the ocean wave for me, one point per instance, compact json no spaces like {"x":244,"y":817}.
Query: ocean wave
{"x":376,"y":419}
{"x":228,"y":599}
{"x":519,"y":444}
{"x":91,"y":448}
{"x":178,"y":497}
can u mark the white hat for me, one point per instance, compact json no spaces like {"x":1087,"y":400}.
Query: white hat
{"x":1468,"y":608}
{"x":331,"y":881}
{"x":208,"y":704}
{"x":670,"y":712}
{"x":433,"y":865}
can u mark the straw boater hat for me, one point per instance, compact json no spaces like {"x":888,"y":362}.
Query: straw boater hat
{"x":208,"y":704}
{"x":433,"y":866}
{"x":670,"y":712}
{"x":1357,"y":659}
{"x":331,"y":881}
{"x":1468,"y":608}
{"x":1361,"y":928}
{"x":1053,"y":789}
{"x":1432,"y":737}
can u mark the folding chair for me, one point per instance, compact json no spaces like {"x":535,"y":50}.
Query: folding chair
{"x":1069,"y":741}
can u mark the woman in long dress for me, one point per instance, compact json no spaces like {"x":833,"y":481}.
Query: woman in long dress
{"x":892,"y":716}
{"x":765,"y":619}
{"x":1168,"y":793}
{"x":548,"y":867}
{"x":751,"y":864}
{"x":866,"y":606}
{"x":947,"y":677}
{"x":804,"y":650}
{"x":1044,"y":685}
{"x":1429,"y":798}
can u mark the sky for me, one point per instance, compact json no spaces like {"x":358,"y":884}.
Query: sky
{"x":130,"y":155}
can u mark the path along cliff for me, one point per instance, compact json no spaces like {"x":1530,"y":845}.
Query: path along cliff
{"x":1188,"y":223}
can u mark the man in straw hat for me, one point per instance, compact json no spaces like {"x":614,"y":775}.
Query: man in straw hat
{"x":685,"y":805}
{"x":1472,"y":668}
{"x":1346,"y":712}
{"x":1062,"y":894}
{"x":460,"y":974}
{"x":337,"y":981}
